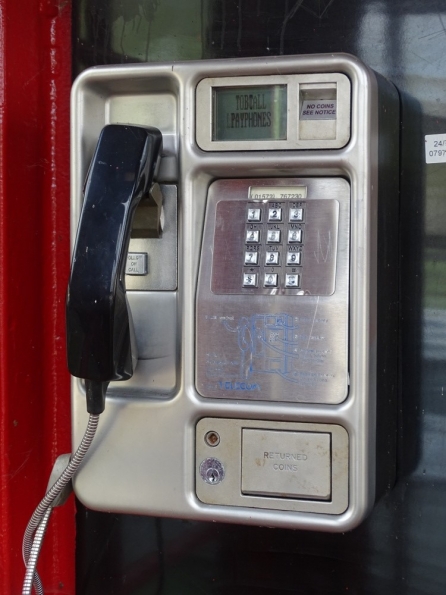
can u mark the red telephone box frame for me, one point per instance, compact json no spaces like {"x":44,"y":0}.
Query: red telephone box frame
{"x":35,"y":80}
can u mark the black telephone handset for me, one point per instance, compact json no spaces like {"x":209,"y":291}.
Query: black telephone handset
{"x":100,"y":337}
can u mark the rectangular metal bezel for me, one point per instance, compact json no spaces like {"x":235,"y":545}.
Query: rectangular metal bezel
{"x":274,"y":343}
{"x":204,"y":107}
{"x":229,"y":449}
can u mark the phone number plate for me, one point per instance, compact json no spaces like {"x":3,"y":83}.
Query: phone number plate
{"x":277,"y":192}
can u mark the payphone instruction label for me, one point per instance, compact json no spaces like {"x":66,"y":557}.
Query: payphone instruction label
{"x":137,"y":263}
{"x":253,"y":353}
{"x":318,"y":109}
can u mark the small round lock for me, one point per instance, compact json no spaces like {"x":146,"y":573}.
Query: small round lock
{"x":212,"y":471}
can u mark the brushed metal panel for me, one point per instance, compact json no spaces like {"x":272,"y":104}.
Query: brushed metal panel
{"x":318,"y":134}
{"x":229,"y":453}
{"x":286,"y":464}
{"x":156,"y":331}
{"x":274,"y":344}
{"x":317,"y":249}
{"x":162,"y":252}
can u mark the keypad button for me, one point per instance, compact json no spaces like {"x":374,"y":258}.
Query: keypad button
{"x":252,"y":236}
{"x":294,"y":235}
{"x":270,"y":280}
{"x":250,"y":280}
{"x":294,"y":258}
{"x":275,"y":214}
{"x":292,"y":280}
{"x":254,"y":215}
{"x":273,"y":236}
{"x":251,"y":258}
{"x":272,"y":258}
{"x":296,"y":215}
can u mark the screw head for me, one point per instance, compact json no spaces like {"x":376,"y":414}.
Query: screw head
{"x":212,"y":438}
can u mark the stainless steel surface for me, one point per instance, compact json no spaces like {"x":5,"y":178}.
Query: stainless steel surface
{"x":274,"y":343}
{"x":301,"y":134}
{"x":156,"y":330}
{"x":162,"y":251}
{"x":149,"y":442}
{"x":286,"y":464}
{"x":251,"y":452}
{"x":228,"y":230}
{"x":155,"y":108}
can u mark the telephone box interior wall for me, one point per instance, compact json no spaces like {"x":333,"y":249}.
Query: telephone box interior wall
{"x":402,"y":546}
{"x":35,"y":81}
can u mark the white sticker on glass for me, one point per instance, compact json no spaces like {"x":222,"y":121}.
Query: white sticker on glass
{"x":435,"y":148}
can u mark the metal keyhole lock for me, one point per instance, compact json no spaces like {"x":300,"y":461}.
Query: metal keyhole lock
{"x":212,"y":471}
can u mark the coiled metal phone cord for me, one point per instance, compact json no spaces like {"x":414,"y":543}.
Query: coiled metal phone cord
{"x":34,"y":533}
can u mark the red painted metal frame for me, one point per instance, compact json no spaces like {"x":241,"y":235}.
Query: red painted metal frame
{"x":35,"y":79}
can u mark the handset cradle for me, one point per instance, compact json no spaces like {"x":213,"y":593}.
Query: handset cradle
{"x":100,"y":335}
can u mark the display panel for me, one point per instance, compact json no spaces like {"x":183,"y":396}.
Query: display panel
{"x":250,"y":113}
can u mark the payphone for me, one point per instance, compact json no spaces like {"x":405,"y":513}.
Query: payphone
{"x":261,"y":278}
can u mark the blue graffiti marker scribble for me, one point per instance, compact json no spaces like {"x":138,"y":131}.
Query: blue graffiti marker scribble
{"x":269,"y":344}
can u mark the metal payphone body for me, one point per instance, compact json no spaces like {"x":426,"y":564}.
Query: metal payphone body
{"x":265,"y":309}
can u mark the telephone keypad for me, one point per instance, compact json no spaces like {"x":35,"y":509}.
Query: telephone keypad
{"x":296,"y":214}
{"x":271,"y":258}
{"x":270,"y":280}
{"x":253,"y":236}
{"x":250,"y":280}
{"x":275,"y":214}
{"x":294,"y":258}
{"x":251,"y":258}
{"x":292,"y":280}
{"x":294,"y":236}
{"x":254,"y":215}
{"x":273,"y":236}
{"x":269,"y":228}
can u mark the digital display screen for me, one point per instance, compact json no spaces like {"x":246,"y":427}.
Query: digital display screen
{"x":250,"y":113}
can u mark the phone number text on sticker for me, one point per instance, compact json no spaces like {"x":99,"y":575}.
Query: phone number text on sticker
{"x":435,"y":148}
